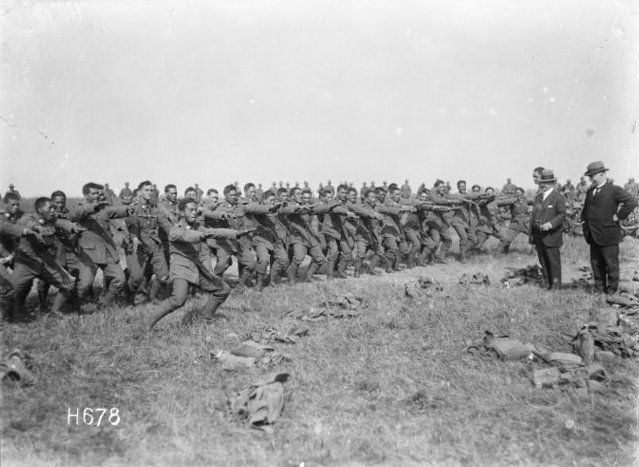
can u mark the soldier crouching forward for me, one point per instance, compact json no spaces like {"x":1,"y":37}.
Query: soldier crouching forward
{"x":186,"y":238}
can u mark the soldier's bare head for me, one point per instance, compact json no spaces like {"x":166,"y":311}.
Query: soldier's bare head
{"x":352,"y":195}
{"x":461,"y":186}
{"x":394,"y":192}
{"x":188,"y":209}
{"x":269,"y":197}
{"x":327,"y":194}
{"x":519,"y":191}
{"x":476,"y":189}
{"x":423,"y":195}
{"x":11,"y":203}
{"x":307,"y":195}
{"x":282,"y":194}
{"x":190,"y":192}
{"x":440,"y":186}
{"x":489,"y":190}
{"x":59,"y":200}
{"x":230,"y":194}
{"x":170,"y":192}
{"x":145,"y":190}
{"x":92,"y":192}
{"x":45,"y":209}
{"x":296,"y":194}
{"x":249,"y":190}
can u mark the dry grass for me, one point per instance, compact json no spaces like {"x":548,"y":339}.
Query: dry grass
{"x":392,"y":386}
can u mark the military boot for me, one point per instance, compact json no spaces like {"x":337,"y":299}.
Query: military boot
{"x":259,"y":285}
{"x":312,"y":269}
{"x":160,"y":312}
{"x":291,"y":273}
{"x":373,"y":264}
{"x":330,"y":270}
{"x":463,"y":258}
{"x":358,"y":268}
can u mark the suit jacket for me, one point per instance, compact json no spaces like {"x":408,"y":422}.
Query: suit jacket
{"x":553,"y":210}
{"x":599,"y":228}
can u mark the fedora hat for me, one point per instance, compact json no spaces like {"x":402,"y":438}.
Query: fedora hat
{"x":547,"y":176}
{"x":595,"y":168}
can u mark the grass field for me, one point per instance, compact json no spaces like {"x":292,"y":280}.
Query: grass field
{"x":392,"y":386}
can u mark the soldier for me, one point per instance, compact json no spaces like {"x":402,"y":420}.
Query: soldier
{"x":66,"y":245}
{"x":191,"y":192}
{"x":198,"y":191}
{"x":212,"y":197}
{"x":487,"y":218}
{"x":392,"y":231}
{"x":332,"y":231}
{"x":108,"y":194}
{"x":230,"y":214}
{"x":126,"y":195}
{"x":259,"y":193}
{"x":187,"y":237}
{"x":368,"y":233}
{"x":509,"y":188}
{"x":11,"y":214}
{"x":439,"y":222}
{"x":302,"y":238}
{"x":146,"y":257}
{"x":546,"y":232}
{"x":519,"y":218}
{"x":632,"y":187}
{"x":464,"y":222}
{"x":269,"y":241}
{"x":36,"y":256}
{"x":96,"y":246}
{"x":13,"y":191}
{"x":169,"y":207}
{"x":10,"y":235}
{"x":406,"y":191}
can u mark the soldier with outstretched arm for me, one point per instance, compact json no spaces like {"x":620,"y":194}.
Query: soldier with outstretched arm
{"x":186,"y":239}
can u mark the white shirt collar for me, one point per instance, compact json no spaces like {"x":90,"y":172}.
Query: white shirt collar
{"x":547,"y":193}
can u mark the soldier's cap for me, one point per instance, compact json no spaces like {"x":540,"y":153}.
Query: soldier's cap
{"x":594,"y":168}
{"x":547,"y":176}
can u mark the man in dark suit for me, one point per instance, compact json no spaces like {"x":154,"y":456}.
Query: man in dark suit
{"x":549,"y":211}
{"x":605,"y":206}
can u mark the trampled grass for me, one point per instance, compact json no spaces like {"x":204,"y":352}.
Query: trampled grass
{"x":392,"y":386}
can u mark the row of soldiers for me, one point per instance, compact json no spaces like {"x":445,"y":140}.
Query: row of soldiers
{"x":270,"y":238}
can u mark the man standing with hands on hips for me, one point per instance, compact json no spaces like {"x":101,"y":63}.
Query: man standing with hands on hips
{"x":549,"y":212}
{"x":605,"y":206}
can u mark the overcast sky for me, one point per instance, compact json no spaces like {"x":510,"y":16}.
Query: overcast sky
{"x":220,"y":91}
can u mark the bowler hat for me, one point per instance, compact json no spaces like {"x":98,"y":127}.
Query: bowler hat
{"x":595,"y":168}
{"x":547,"y":176}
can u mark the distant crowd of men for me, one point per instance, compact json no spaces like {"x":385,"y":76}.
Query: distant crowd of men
{"x":172,"y":245}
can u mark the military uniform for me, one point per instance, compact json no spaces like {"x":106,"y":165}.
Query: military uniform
{"x":171,"y":213}
{"x":187,"y":268}
{"x":392,"y":231}
{"x":519,"y":220}
{"x":302,"y":238}
{"x":269,"y":242}
{"x":97,"y":249}
{"x":338,"y":231}
{"x":10,"y":234}
{"x":35,"y":257}
{"x":147,"y":257}
{"x":368,"y":238}
{"x":233,"y":216}
{"x":66,"y":244}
